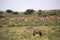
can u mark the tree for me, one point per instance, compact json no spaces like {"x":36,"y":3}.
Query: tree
{"x":29,"y":11}
{"x":39,"y":12}
{"x":9,"y":11}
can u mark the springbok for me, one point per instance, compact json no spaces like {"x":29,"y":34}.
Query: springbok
{"x":35,"y":31}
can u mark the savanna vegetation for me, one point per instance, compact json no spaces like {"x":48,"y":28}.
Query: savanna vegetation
{"x":13,"y":24}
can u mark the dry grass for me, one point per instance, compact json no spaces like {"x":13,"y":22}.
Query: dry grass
{"x":21,"y":33}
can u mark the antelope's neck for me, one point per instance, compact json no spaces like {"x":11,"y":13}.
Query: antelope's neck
{"x":32,"y":30}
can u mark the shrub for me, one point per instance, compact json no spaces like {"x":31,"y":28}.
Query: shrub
{"x":1,"y":16}
{"x":1,"y":12}
{"x":9,"y":11}
{"x":15,"y":13}
{"x":11,"y":25}
{"x":1,"y":26}
{"x":52,"y":12}
{"x":39,"y":12}
{"x":29,"y":11}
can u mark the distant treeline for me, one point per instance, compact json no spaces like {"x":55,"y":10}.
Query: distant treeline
{"x":40,"y":13}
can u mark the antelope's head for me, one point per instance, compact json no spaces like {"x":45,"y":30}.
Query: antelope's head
{"x":30,"y":29}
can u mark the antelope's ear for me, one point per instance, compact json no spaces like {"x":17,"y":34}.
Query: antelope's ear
{"x":40,"y":30}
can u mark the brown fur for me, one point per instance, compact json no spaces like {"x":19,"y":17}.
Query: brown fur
{"x":35,"y":31}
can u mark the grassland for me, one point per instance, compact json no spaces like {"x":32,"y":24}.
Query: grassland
{"x":14,"y":26}
{"x":21,"y":33}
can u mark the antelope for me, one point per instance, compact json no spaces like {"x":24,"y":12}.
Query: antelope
{"x":35,"y":31}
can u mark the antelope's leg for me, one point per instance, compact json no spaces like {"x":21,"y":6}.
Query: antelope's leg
{"x":40,"y":34}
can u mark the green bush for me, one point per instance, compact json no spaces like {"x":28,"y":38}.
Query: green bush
{"x":9,"y":11}
{"x":1,"y":26}
{"x":1,"y":12}
{"x":11,"y":25}
{"x":39,"y":12}
{"x":15,"y":13}
{"x":29,"y":11}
